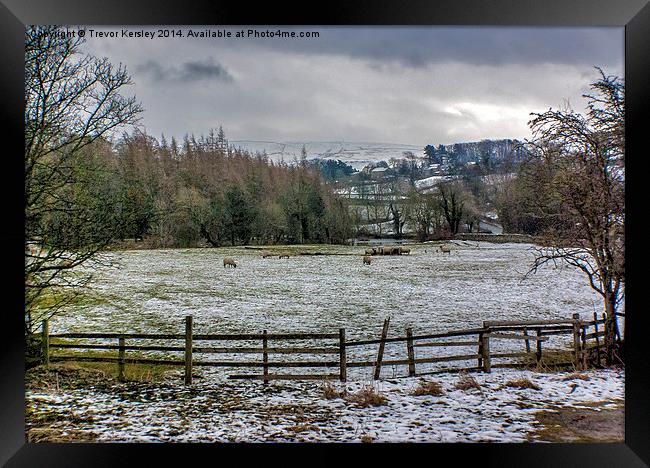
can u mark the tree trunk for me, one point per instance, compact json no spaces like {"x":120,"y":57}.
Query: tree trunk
{"x":208,"y":237}
{"x":304,"y":230}
{"x":610,"y":328}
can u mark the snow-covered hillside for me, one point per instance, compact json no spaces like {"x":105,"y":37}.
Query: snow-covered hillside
{"x":357,"y":154}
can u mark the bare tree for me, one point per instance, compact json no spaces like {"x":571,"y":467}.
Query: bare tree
{"x":376,"y":205}
{"x":453,"y":204}
{"x":588,"y":229}
{"x":73,"y":101}
{"x":400,"y":214}
{"x":423,"y":209}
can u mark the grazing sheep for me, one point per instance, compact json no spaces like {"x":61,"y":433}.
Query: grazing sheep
{"x":404,"y":251}
{"x":229,"y":262}
{"x":283,"y":256}
{"x":445,"y":249}
{"x":370,"y":251}
{"x":266,"y":253}
{"x":366,"y":260}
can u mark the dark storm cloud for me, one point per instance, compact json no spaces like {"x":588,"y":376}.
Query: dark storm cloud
{"x":151,"y":68}
{"x":197,"y":70}
{"x":423,"y":46}
{"x":185,"y":72}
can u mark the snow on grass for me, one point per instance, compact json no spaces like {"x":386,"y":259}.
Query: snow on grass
{"x":427,"y":291}
{"x":216,"y":410}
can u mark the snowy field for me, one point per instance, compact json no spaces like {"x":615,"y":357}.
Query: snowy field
{"x":427,"y":291}
{"x":153,"y":291}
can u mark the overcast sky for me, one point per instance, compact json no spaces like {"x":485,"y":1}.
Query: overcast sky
{"x":411,"y":85}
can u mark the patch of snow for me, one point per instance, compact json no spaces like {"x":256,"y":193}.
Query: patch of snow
{"x":430,"y":181}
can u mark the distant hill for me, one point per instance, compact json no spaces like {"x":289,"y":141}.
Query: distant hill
{"x":360,"y":154}
{"x":357,"y":154}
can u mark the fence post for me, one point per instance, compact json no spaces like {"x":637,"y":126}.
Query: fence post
{"x":538,"y":355}
{"x":485,"y":350}
{"x":45,"y":342}
{"x":597,"y":339}
{"x":409,"y":350}
{"x":480,"y":349}
{"x":188,"y":350}
{"x":265,"y":358}
{"x":380,"y":353}
{"x":583,"y":337}
{"x":577,"y":355}
{"x":120,"y":362}
{"x":342,"y":357}
{"x":527,"y":341}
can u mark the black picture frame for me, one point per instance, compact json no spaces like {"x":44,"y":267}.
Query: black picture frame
{"x":634,"y":15}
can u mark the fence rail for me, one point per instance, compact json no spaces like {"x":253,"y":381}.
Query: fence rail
{"x":586,"y":349}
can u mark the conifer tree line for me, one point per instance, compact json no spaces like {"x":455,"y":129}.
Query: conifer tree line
{"x":204,"y":192}
{"x":199,"y":193}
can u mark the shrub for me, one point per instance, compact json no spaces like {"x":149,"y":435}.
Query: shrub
{"x":33,"y":351}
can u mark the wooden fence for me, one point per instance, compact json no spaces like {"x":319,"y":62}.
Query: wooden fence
{"x":586,"y":337}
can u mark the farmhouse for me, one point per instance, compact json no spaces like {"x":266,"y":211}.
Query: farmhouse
{"x":432,"y":170}
{"x":379,"y":172}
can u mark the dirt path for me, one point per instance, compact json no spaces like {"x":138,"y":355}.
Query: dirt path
{"x":581,"y":425}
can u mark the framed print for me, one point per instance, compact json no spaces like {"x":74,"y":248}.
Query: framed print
{"x":389,"y":226}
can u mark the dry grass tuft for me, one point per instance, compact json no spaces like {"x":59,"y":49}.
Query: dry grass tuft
{"x":521,"y":383}
{"x":366,"y":438}
{"x":330,"y":392}
{"x":466,"y":382}
{"x":302,"y":428}
{"x":367,"y":396}
{"x":555,"y":361}
{"x":428,"y":388}
{"x":576,"y":375}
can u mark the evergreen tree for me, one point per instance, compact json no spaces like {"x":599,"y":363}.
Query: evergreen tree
{"x":238,"y":215}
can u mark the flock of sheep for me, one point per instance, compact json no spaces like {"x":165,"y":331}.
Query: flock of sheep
{"x":367,"y":260}
{"x":391,"y":250}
